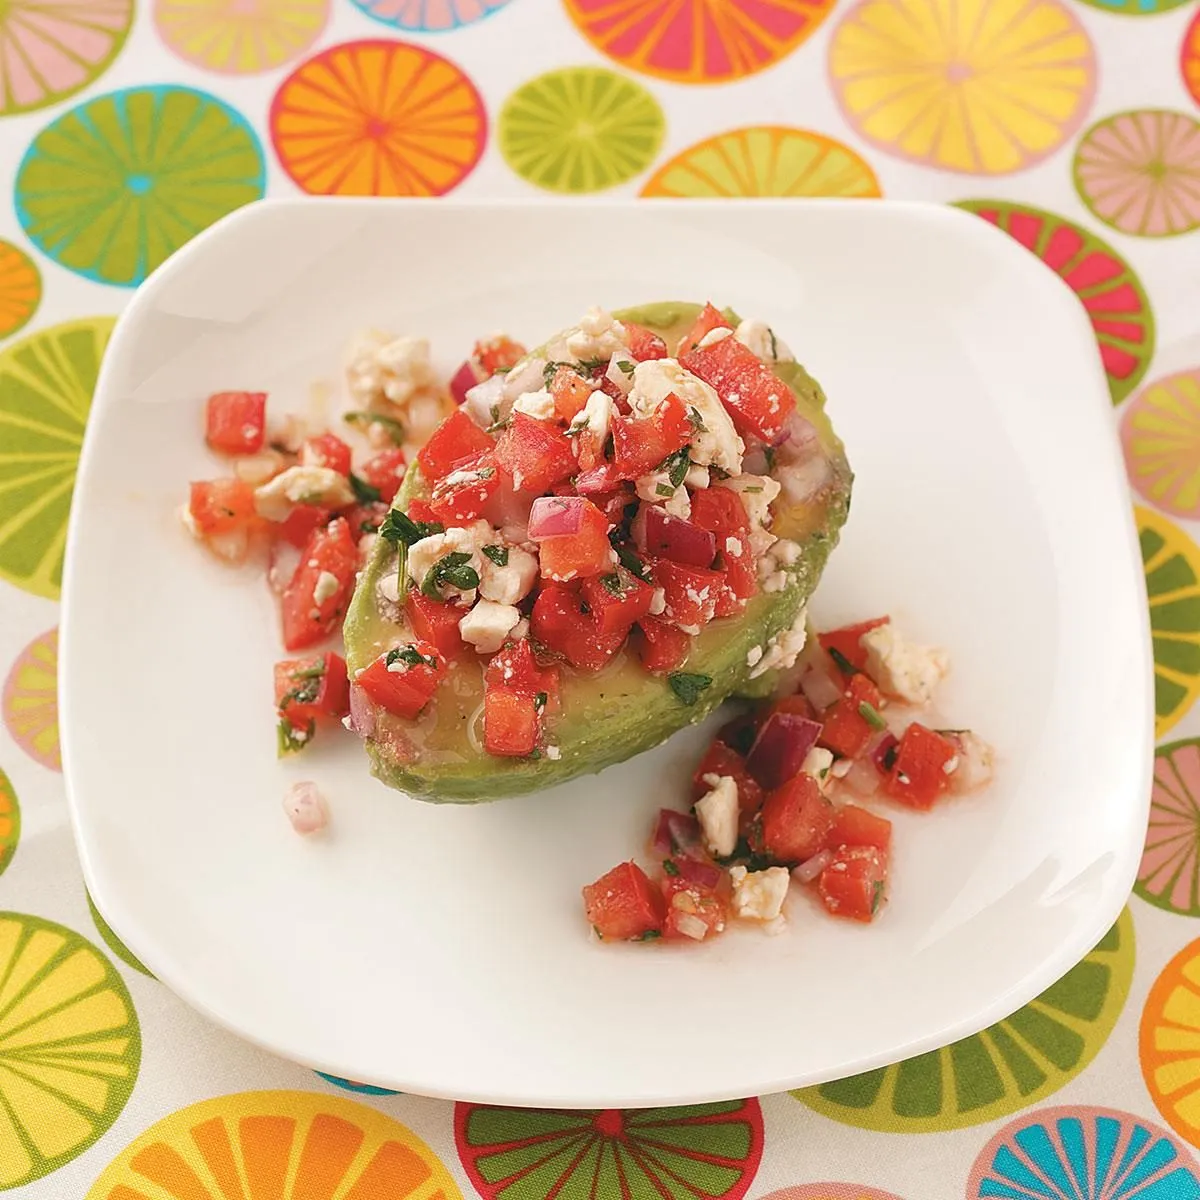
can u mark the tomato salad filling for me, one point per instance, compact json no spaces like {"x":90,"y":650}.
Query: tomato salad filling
{"x":595,"y":495}
{"x":781,"y":795}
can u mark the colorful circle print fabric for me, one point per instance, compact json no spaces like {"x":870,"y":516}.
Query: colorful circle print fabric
{"x":128,"y":126}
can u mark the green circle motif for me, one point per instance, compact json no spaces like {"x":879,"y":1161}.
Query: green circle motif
{"x":114,"y":943}
{"x":580,"y":129}
{"x":70,"y":1047}
{"x":1009,"y":1066}
{"x":114,"y":187}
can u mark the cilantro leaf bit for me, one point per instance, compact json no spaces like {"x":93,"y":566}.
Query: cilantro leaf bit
{"x":687,"y":686}
{"x":649,"y":935}
{"x":400,"y":529}
{"x":626,"y":367}
{"x":769,"y":455}
{"x":364,"y":492}
{"x":453,"y":569}
{"x":551,"y":369}
{"x":696,"y":421}
{"x":409,"y":655}
{"x":663,"y":489}
{"x":870,"y":714}
{"x":363,"y":420}
{"x":670,"y":868}
{"x":291,"y":739}
{"x":629,"y":560}
{"x":591,"y":364}
{"x":612,"y":583}
{"x":498,"y":555}
{"x":498,"y":422}
{"x":676,"y":466}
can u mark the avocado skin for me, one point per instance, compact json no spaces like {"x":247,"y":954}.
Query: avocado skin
{"x":615,"y":716}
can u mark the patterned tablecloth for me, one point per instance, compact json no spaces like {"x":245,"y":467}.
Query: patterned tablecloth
{"x":127,"y":127}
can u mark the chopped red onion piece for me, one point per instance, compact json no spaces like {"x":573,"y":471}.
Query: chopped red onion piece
{"x":862,"y":778}
{"x":661,"y":535}
{"x":808,"y":870}
{"x":604,"y":478}
{"x":820,"y":688}
{"x":691,"y":926}
{"x":781,"y":747}
{"x":699,"y":871}
{"x":464,"y":379}
{"x":305,"y":807}
{"x":556,"y":516}
{"x":884,"y":751}
{"x":675,"y":833}
{"x":362,"y":713}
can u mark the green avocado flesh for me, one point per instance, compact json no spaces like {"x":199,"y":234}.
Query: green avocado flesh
{"x":609,"y":715}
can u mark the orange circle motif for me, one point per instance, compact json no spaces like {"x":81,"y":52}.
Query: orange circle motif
{"x":697,"y":41}
{"x":378,"y":118}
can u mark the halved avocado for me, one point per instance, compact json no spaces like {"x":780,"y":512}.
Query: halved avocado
{"x":612,"y":714}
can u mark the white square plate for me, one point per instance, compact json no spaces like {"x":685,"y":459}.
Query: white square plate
{"x":443,"y":950}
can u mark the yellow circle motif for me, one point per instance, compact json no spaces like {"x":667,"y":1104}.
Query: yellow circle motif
{"x":985,"y":87}
{"x":276,"y":1146}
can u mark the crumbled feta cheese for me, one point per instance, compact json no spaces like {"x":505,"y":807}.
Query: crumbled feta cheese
{"x":511,"y":583}
{"x":468,"y":539}
{"x":387,"y":595}
{"x":717,"y":812}
{"x":275,"y":500}
{"x":526,"y":376}
{"x":784,"y":648}
{"x":306,"y":808}
{"x":325,"y":588}
{"x":757,"y":337}
{"x":818,"y":763}
{"x":786,"y":552}
{"x":381,"y":367}
{"x":713,"y":336}
{"x":715,"y":441}
{"x":903,"y":668}
{"x":520,"y":630}
{"x":774,"y":581}
{"x":487,"y":625}
{"x":599,"y":335}
{"x":697,"y":478}
{"x":595,"y":417}
{"x":733,"y":546}
{"x":553,"y":753}
{"x":189,"y":522}
{"x":757,"y":492}
{"x":539,"y":404}
{"x":656,"y":488}
{"x":658,"y":602}
{"x":975,"y":759}
{"x":257,"y":469}
{"x":759,"y":895}
{"x":753,"y":655}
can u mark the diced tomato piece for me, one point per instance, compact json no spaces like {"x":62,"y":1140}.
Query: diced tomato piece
{"x":722,"y":759}
{"x":455,"y":439}
{"x":691,"y":593}
{"x":617,"y":600}
{"x":847,"y":641}
{"x":385,"y":472}
{"x":403,"y":679}
{"x":326,"y":450}
{"x":497,"y":354}
{"x":515,"y":667}
{"x":644,"y":344}
{"x":419,"y":510}
{"x":536,"y":454}
{"x":846,"y":728}
{"x":570,"y":391}
{"x":918,"y":776}
{"x":796,"y":819}
{"x":297,"y":527}
{"x":366,"y":518}
{"x":316,"y":597}
{"x":719,"y":510}
{"x":855,"y":883}
{"x":661,"y":647}
{"x":561,"y":625}
{"x":641,"y":443}
{"x":435,"y":622}
{"x":219,"y":506}
{"x":710,"y":318}
{"x":462,"y":495}
{"x":796,"y":704}
{"x":855,"y":826}
{"x":510,"y":723}
{"x":694,"y":912}
{"x":236,"y":422}
{"x":312,"y":689}
{"x":758,"y":401}
{"x":599,"y":479}
{"x":578,"y":555}
{"x":624,"y":904}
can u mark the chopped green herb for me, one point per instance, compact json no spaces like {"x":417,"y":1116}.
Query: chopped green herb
{"x":591,"y":364}
{"x":664,"y":489}
{"x":757,"y":488}
{"x":401,"y":530}
{"x":502,"y":370}
{"x":842,"y":663}
{"x":688,"y":687}
{"x":670,"y":867}
{"x":649,"y":936}
{"x":306,"y":691}
{"x":769,"y":455}
{"x":363,"y":420}
{"x":870,"y":714}
{"x":696,"y":421}
{"x":540,"y":700}
{"x":498,"y":555}
{"x":890,"y":755}
{"x":774,"y":345}
{"x":454,"y":569}
{"x":313,"y":672}
{"x":612,"y":583}
{"x":876,"y":896}
{"x":626,"y":366}
{"x":364,"y":493}
{"x":409,"y":655}
{"x":629,"y":560}
{"x":289,"y":738}
{"x":551,"y":369}
{"x":676,"y":466}
{"x":534,"y":754}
